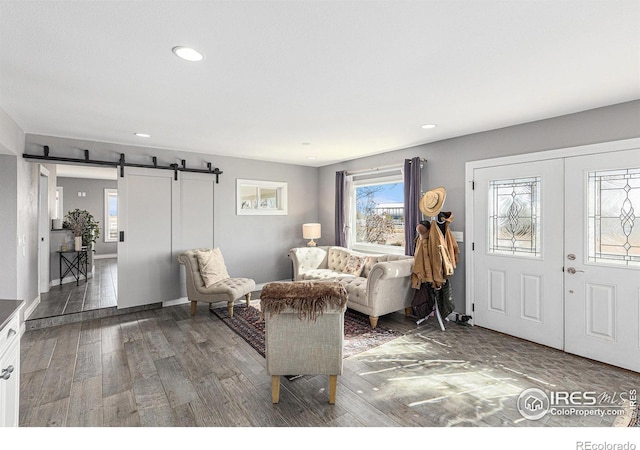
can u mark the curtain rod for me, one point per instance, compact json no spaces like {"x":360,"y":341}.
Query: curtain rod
{"x":381,"y":168}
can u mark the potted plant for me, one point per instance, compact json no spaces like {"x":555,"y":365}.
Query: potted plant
{"x":83,"y":226}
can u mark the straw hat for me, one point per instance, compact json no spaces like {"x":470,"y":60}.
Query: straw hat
{"x":432,"y":201}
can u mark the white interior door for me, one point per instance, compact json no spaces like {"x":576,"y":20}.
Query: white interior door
{"x":517,"y":256}
{"x":602,"y":257}
{"x":146,"y":270}
{"x":193,"y":216}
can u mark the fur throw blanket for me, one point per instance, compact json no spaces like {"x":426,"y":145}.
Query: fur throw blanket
{"x":308,"y":298}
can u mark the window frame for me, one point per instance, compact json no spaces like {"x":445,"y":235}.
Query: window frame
{"x":395,"y":176}
{"x":107,"y":193}
{"x":281,"y":198}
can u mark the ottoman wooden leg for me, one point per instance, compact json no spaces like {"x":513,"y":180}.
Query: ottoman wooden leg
{"x":248,"y":297}
{"x":230,"y":309}
{"x":373,"y":321}
{"x":275,"y":388}
{"x":193,"y":308}
{"x":333,"y":383}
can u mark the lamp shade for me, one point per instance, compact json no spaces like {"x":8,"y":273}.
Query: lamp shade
{"x":311,"y":230}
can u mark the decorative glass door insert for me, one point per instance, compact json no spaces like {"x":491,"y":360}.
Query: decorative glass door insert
{"x":514,"y":217}
{"x":613,"y":217}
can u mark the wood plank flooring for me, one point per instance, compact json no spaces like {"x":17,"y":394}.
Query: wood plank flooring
{"x":164,"y":368}
{"x":98,"y":292}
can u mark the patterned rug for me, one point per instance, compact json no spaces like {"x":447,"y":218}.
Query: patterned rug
{"x":358,"y":334}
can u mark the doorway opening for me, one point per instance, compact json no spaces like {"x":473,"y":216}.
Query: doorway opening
{"x":71,"y":187}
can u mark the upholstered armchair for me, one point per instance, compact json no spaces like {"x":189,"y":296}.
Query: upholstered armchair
{"x":304,"y":330}
{"x":207,"y":280}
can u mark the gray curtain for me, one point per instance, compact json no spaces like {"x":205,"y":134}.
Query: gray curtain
{"x":341,"y":238}
{"x":412,"y":176}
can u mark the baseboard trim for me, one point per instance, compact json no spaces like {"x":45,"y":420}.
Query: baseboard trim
{"x":105,"y":256}
{"x":32,"y":307}
{"x":177,"y":301}
{"x":70,"y":279}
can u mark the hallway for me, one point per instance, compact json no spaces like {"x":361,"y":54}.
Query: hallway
{"x":95,"y":298}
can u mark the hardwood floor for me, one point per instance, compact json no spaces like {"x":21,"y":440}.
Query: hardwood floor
{"x":98,"y":292}
{"x":164,"y":368}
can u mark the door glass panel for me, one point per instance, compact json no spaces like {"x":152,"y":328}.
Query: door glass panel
{"x":614,"y":221}
{"x":514,"y":217}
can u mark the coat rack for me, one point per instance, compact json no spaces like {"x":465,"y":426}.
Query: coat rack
{"x":122,"y":163}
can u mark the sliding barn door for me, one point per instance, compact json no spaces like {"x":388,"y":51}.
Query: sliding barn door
{"x":193,"y":216}
{"x":145,"y":256}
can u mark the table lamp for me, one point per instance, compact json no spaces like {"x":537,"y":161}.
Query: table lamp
{"x":311,"y":231}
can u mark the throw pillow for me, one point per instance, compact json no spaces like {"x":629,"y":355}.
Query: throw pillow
{"x":354,"y":265}
{"x":211,"y":265}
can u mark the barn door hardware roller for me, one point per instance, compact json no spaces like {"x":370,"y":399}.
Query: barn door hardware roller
{"x":122,"y":163}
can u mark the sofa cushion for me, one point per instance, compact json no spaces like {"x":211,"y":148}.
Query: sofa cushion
{"x":324,"y":274}
{"x":371,"y":260}
{"x":356,"y":289}
{"x":355,"y":265}
{"x":337,"y":259}
{"x":211,"y":266}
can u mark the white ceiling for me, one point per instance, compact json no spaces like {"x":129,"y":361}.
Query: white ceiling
{"x":285,"y":80}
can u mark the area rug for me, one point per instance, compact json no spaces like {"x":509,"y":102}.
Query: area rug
{"x":358,"y":334}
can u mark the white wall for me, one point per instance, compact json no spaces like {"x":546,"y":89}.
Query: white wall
{"x":446,"y":160}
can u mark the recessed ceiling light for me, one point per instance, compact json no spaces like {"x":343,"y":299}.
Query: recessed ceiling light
{"x":311,"y":157}
{"x":187,"y":53}
{"x":144,"y":135}
{"x":426,"y":126}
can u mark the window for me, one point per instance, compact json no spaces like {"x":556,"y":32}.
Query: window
{"x":261,"y":197}
{"x":514,"y":217}
{"x":376,"y":212}
{"x":111,"y":215}
{"x":614,"y":231}
{"x":59,"y":211}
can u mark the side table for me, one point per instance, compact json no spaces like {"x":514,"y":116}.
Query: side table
{"x":75,"y":262}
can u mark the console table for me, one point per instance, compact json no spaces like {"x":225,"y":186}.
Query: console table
{"x":74,"y":262}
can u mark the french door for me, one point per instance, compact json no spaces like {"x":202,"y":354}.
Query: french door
{"x":556,"y":253}
{"x":518,"y":250}
{"x":602,"y":261}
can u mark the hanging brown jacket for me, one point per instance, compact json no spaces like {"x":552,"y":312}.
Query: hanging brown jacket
{"x":443,"y":250}
{"x":421,"y":272}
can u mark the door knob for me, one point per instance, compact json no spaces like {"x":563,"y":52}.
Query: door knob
{"x":571,"y":256}
{"x":573,"y":270}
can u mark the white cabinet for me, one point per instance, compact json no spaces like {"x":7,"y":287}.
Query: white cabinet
{"x":10,"y":373}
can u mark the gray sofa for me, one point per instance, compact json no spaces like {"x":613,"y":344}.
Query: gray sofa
{"x":383,"y":287}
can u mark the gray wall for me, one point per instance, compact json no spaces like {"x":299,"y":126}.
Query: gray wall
{"x":8,"y":227}
{"x":253,"y":246}
{"x":93,"y":202}
{"x":446,"y":160}
{"x":257,"y":246}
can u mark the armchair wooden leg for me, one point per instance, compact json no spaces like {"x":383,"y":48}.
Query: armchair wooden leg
{"x":193,"y":308}
{"x":230,"y":309}
{"x":373,"y":321}
{"x":275,"y":388}
{"x":408,"y":311}
{"x":333,"y":383}
{"x":248,"y":297}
